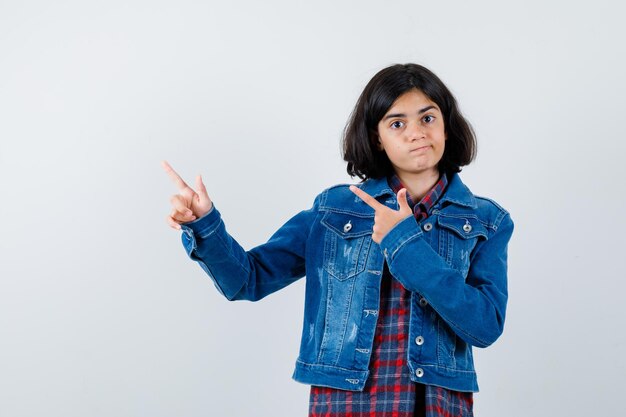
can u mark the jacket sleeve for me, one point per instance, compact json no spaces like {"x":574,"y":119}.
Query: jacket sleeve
{"x":249,"y":275}
{"x":474,"y":307}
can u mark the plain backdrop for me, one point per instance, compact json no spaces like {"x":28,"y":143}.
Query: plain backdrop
{"x":103,"y":314}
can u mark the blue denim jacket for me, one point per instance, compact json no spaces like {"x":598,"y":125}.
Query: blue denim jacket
{"x":454,"y":263}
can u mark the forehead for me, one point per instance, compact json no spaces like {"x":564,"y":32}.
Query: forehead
{"x":413,"y":99}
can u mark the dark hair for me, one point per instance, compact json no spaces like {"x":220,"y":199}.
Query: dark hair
{"x":361,"y":132}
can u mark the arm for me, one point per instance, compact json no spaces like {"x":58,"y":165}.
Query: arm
{"x":474,"y":307}
{"x":253,"y":274}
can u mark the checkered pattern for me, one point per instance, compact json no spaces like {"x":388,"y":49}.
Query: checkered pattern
{"x":389,"y":390}
{"x":421,"y":210}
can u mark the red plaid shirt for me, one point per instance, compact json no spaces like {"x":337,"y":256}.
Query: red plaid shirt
{"x":389,"y":390}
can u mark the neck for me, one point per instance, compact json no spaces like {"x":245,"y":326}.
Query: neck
{"x":418,"y":184}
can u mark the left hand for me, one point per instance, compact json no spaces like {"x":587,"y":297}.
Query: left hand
{"x":385,"y":218}
{"x":188,"y":204}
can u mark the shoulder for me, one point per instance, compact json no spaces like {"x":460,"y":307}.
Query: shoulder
{"x":340,"y":198}
{"x":336,"y":196}
{"x":494,"y":212}
{"x":491,"y":213}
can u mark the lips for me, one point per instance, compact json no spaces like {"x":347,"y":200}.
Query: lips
{"x":420,"y":148}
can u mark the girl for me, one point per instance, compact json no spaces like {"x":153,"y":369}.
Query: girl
{"x":406,"y":271}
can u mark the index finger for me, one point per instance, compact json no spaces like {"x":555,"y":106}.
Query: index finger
{"x":368,"y":199}
{"x":180,"y":183}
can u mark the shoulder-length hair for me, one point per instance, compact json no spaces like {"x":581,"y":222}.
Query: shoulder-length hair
{"x":360,"y":136}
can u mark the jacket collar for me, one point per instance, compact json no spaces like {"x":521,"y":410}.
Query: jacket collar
{"x":456,"y":192}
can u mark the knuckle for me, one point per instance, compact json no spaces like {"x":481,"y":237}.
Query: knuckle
{"x":175,"y":200}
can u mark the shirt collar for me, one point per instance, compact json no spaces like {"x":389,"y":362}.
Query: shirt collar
{"x":456,"y":191}
{"x":429,"y":199}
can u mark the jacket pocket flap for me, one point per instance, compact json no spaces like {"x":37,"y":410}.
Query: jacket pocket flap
{"x":348,"y":226}
{"x":464,"y":227}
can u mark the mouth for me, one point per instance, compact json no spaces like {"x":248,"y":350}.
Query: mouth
{"x":420,"y":148}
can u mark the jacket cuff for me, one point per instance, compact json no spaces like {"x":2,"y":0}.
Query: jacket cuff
{"x":205,"y":225}
{"x":198,"y":229}
{"x":403,"y":232}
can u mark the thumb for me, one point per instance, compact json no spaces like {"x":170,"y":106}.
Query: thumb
{"x":403,"y":202}
{"x":201,"y":189}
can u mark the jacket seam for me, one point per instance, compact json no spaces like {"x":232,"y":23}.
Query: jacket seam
{"x":205,"y":233}
{"x":407,"y":240}
{"x":230,"y":253}
{"x":461,"y":330}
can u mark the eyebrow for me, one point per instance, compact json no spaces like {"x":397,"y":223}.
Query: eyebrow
{"x":425,"y":109}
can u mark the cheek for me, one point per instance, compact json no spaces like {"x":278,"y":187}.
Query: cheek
{"x":442,"y":139}
{"x":440,"y":147}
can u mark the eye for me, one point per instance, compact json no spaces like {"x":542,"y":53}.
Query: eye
{"x":429,"y":118}
{"x":397,"y":124}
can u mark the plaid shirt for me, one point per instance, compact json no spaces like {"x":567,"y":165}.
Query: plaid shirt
{"x":389,"y":390}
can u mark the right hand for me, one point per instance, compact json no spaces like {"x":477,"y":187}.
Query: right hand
{"x":188,"y":204}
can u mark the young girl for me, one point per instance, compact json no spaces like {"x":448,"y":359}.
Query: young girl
{"x":405,"y":272}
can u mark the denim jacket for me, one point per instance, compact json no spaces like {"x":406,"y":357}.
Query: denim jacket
{"x":454,"y":263}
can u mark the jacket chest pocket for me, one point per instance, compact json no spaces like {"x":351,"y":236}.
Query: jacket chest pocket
{"x":346,"y":243}
{"x":457,"y":238}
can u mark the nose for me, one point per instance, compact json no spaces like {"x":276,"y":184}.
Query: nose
{"x":415,"y":131}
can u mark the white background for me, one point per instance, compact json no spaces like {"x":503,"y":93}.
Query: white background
{"x":103,"y":314}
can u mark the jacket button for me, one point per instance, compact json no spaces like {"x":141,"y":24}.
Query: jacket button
{"x":467,"y":227}
{"x":419,"y":372}
{"x":385,"y":252}
{"x":347,"y":226}
{"x":428,"y":227}
{"x":419,"y":340}
{"x":423,"y":302}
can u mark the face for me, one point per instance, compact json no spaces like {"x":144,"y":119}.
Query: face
{"x":412,"y":134}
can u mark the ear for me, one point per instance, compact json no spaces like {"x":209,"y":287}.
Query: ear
{"x":374,"y":133}
{"x":379,"y":144}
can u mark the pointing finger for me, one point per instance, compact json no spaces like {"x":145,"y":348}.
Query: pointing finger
{"x":180,"y":183}
{"x":368,"y":199}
